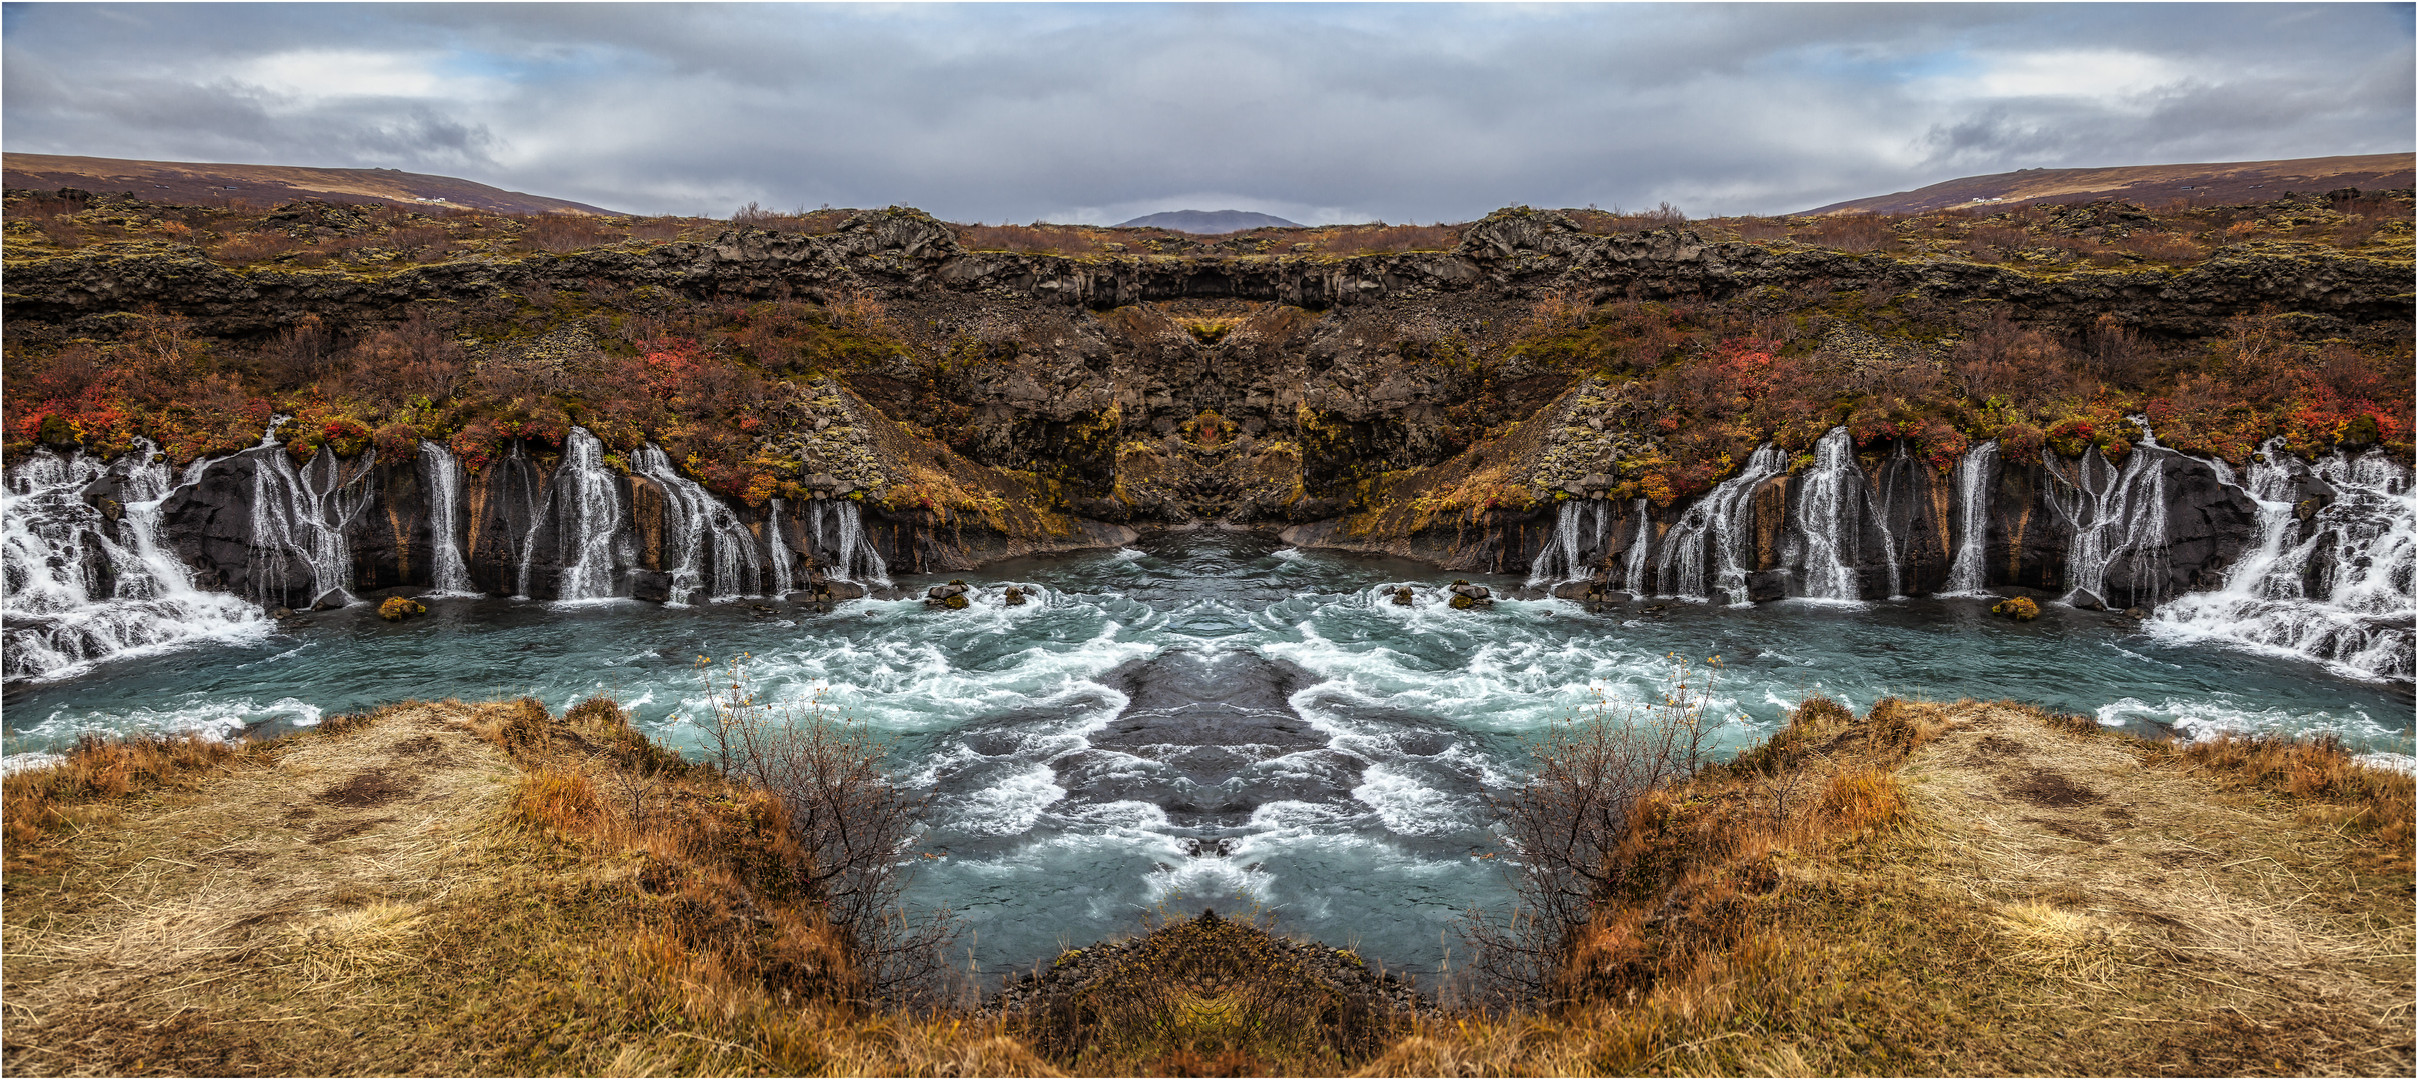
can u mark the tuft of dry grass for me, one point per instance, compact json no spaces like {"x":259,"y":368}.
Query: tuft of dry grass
{"x":555,"y":798}
{"x":35,"y":801}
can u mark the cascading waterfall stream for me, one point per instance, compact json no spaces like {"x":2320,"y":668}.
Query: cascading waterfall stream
{"x":299,"y":516}
{"x":1564,"y":557}
{"x":75,"y":595}
{"x":700,"y":527}
{"x":584,"y":502}
{"x":2115,"y":513}
{"x":1967,"y":576}
{"x":1640,"y":549}
{"x":1831,"y":520}
{"x":777,"y":547}
{"x":838,"y":528}
{"x":2336,"y":589}
{"x":441,"y":478}
{"x":1716,"y":522}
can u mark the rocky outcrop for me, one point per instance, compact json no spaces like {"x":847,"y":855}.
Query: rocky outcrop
{"x":903,"y":254}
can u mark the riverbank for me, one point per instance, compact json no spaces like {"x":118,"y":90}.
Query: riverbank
{"x":482,"y":889}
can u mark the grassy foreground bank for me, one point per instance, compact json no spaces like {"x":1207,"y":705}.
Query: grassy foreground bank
{"x":441,"y":888}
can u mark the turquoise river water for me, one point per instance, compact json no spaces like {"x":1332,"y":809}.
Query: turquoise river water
{"x":1209,"y":719}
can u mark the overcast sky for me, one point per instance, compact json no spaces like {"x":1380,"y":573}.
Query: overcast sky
{"x":1101,"y":112}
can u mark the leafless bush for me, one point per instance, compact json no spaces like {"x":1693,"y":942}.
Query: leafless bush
{"x":800,"y":220}
{"x":852,"y":819}
{"x":565,"y":232}
{"x":1853,"y":232}
{"x":1566,"y":826}
{"x":426,"y":243}
{"x":1382,"y":239}
{"x":1755,"y":228}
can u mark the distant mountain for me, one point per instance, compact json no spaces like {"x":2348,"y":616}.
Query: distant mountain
{"x":2225,"y":182}
{"x":1206,"y":222}
{"x":198,"y":182}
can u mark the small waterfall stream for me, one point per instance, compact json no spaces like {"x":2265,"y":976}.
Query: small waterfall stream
{"x":2335,"y":589}
{"x":2116,"y":513}
{"x":82,"y":589}
{"x":1714,"y":527}
{"x":1967,"y":576}
{"x":298,"y":520}
{"x":837,"y":528}
{"x":441,"y":479}
{"x":1564,"y":557}
{"x":700,"y":528}
{"x":776,"y":546}
{"x":1831,"y":521}
{"x":584,"y":502}
{"x":1640,"y":549}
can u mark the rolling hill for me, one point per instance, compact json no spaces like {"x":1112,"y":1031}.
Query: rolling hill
{"x":201,"y":182}
{"x":1207,"y":222}
{"x":2223,"y":182}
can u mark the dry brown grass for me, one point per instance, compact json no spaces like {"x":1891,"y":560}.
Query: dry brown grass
{"x":36,"y":801}
{"x":1983,"y":888}
{"x":442,"y":888}
{"x":1929,"y":888}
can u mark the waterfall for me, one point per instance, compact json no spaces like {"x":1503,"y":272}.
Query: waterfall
{"x":299,"y":518}
{"x":699,"y":527}
{"x":776,"y":547}
{"x":2116,"y":513}
{"x":1564,"y":556}
{"x":441,"y":479}
{"x":1967,"y":576}
{"x":1640,"y":547}
{"x":80,"y":591}
{"x":1716,"y":522}
{"x":1831,"y":520}
{"x":584,"y":502}
{"x":2337,"y":589}
{"x":839,"y":529}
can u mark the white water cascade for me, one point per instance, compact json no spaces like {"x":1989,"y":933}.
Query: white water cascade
{"x":1640,"y":550}
{"x":1967,"y":576}
{"x":838,"y":529}
{"x":2342,"y":594}
{"x":584,"y":502}
{"x":697,"y":527}
{"x":1831,"y":514}
{"x":2116,"y":513}
{"x":76,"y":595}
{"x":441,"y":481}
{"x":299,"y":517}
{"x":1716,"y":522}
{"x":1563,"y":557}
{"x":775,"y":545}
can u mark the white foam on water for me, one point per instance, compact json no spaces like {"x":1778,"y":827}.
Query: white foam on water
{"x":1406,"y":806}
{"x":63,"y":616}
{"x":1008,"y":805}
{"x":1287,"y":554}
{"x":216,"y":720}
{"x":2201,"y":719}
{"x":31,"y":759}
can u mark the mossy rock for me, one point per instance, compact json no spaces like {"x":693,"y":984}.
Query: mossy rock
{"x":2018,"y":608}
{"x":1462,"y":603}
{"x":954,"y":603}
{"x":57,"y":433}
{"x":399,"y":608}
{"x":1403,"y":597}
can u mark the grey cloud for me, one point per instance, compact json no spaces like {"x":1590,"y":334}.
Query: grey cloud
{"x":1013,"y":113}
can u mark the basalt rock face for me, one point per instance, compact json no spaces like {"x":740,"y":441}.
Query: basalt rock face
{"x":541,"y":522}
